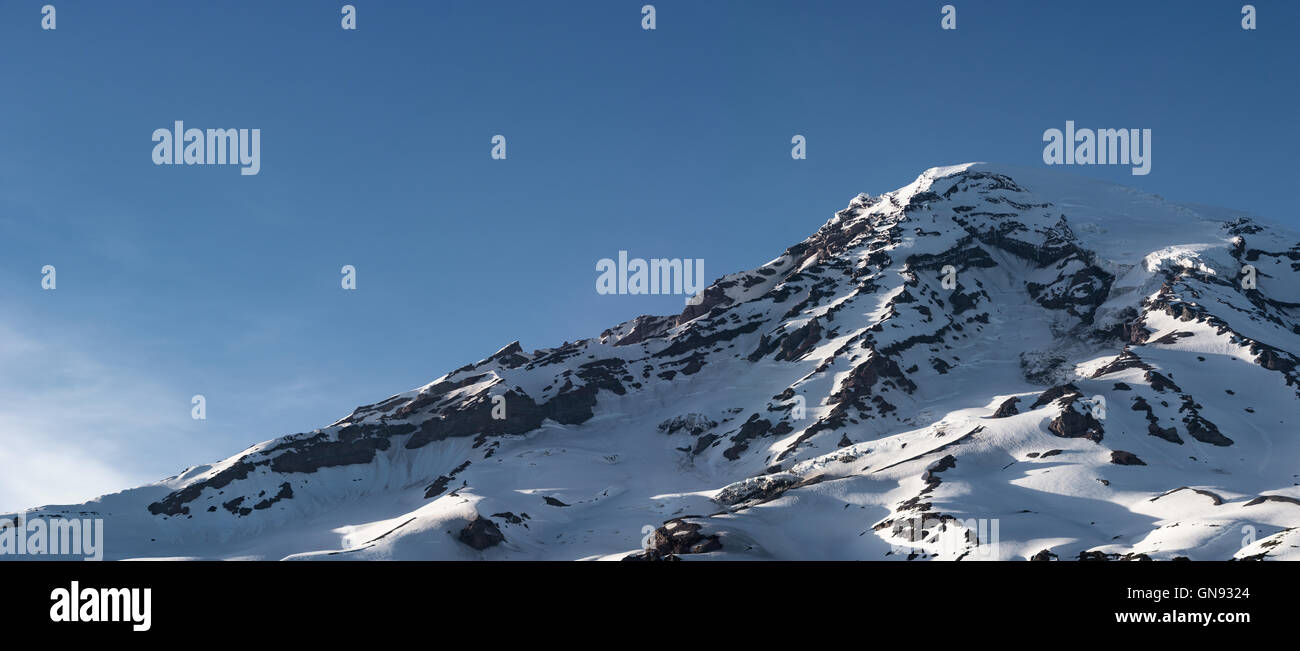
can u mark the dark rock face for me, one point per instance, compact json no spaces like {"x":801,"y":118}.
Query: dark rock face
{"x":642,"y":328}
{"x":512,"y":518}
{"x":481,"y":533}
{"x":571,"y":406}
{"x":1214,"y":497}
{"x":931,"y":474}
{"x":1045,"y":555}
{"x":1079,"y":294}
{"x":1161,"y":383}
{"x":1272,"y":498}
{"x":176,"y":503}
{"x":353,"y":444}
{"x":1053,"y":393}
{"x":790,"y":346}
{"x":695,"y":340}
{"x":427,"y":398}
{"x":439,"y":485}
{"x":714,"y":295}
{"x":286,"y":492}
{"x":1072,"y":425}
{"x":947,"y":462}
{"x":693,"y":424}
{"x":1123,"y":458}
{"x":703,"y":443}
{"x":234,"y":506}
{"x":865,"y":376}
{"x":1007,"y":408}
{"x":1103,"y":556}
{"x":677,"y":537}
{"x":1096,"y":556}
{"x":1153,"y":422}
{"x":1167,"y":433}
{"x":1205,"y":431}
{"x":1274,"y":359}
{"x":511,"y":356}
{"x":1126,"y":360}
{"x":352,"y":447}
{"x":753,"y":428}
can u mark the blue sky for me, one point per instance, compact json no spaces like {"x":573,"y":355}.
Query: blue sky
{"x":183,"y":280}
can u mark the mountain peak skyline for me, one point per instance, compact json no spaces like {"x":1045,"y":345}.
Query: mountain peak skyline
{"x":965,"y":356}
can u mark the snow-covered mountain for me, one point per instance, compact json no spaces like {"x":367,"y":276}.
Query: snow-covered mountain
{"x":1064,"y":367}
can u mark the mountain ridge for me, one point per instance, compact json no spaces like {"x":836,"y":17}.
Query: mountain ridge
{"x":840,"y":401}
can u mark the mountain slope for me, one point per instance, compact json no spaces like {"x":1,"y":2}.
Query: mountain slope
{"x":1063,"y":367}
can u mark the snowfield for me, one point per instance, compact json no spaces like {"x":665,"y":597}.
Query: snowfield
{"x":1098,"y":384}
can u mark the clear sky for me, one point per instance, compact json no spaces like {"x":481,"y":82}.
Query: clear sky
{"x":181,"y":280}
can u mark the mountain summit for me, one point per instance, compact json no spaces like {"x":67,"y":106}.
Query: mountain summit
{"x":990,"y":362}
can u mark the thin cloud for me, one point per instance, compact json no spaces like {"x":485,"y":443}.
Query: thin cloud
{"x":65,"y":417}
